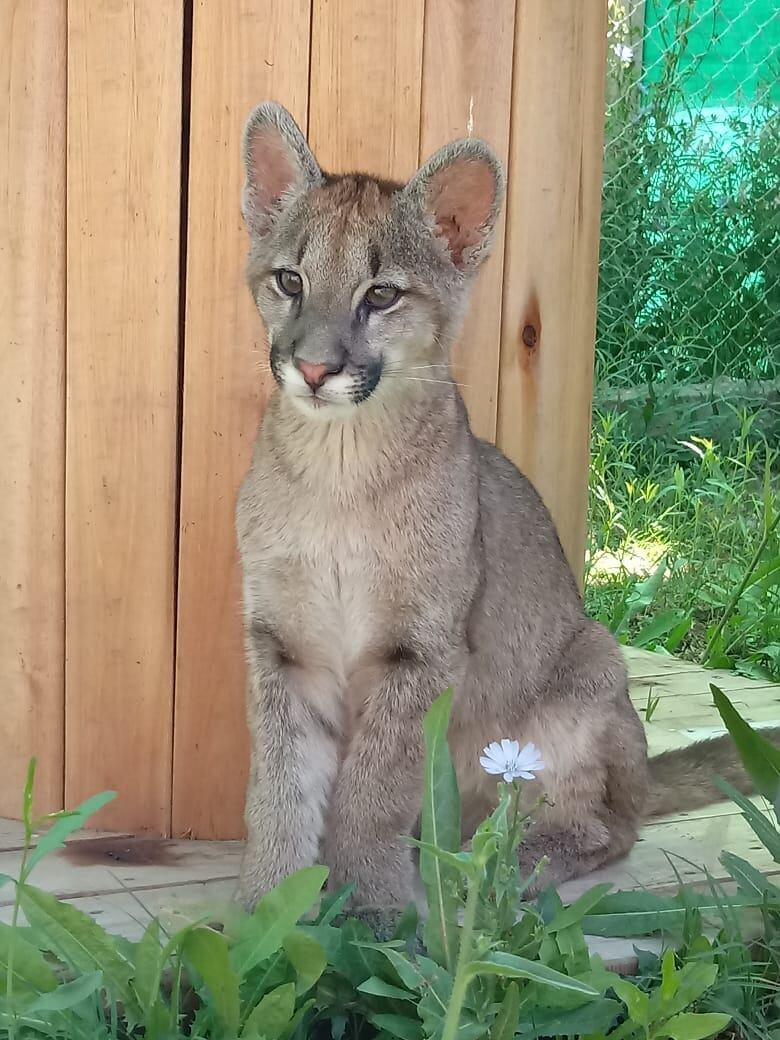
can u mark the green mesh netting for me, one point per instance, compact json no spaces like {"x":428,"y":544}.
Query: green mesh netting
{"x":689,"y":289}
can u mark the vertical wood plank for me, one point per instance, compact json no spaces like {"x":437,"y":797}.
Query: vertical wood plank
{"x":552,"y":243}
{"x":366,"y":70}
{"x":32,"y":415}
{"x":124,"y":141}
{"x":466,"y":92}
{"x":243,"y":53}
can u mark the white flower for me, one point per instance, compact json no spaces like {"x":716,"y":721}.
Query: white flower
{"x":624,"y":53}
{"x":509,"y":760}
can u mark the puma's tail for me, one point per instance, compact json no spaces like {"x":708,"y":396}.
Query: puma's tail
{"x":682,"y":779}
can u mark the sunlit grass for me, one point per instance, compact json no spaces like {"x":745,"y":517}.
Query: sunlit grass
{"x":674,"y":530}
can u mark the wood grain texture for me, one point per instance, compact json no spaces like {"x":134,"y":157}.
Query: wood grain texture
{"x":124,"y":142}
{"x":466,"y":92}
{"x":32,"y":415}
{"x":552,"y":242}
{"x":366,"y":68}
{"x":243,"y":53}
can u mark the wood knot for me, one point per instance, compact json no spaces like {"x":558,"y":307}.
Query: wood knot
{"x":530,"y":336}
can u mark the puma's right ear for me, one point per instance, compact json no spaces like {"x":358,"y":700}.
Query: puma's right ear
{"x":278,"y":164}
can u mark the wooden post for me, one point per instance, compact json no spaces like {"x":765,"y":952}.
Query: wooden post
{"x":243,"y":53}
{"x":32,"y":398}
{"x":124,"y":142}
{"x":467,"y":89}
{"x":366,"y":67}
{"x":552,"y":245}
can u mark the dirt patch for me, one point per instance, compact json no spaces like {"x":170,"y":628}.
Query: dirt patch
{"x":139,"y":852}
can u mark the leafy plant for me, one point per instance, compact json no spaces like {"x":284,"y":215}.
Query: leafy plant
{"x":494,"y":964}
{"x":684,"y":553}
{"x":739,"y":965}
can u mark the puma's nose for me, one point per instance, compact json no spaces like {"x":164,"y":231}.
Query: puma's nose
{"x":315,"y":375}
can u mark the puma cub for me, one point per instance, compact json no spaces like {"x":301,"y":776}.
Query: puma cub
{"x":388,"y":553}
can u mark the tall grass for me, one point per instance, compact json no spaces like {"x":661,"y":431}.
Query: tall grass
{"x":684,"y":550}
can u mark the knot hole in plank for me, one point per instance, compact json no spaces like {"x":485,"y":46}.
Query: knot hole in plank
{"x":530,"y":332}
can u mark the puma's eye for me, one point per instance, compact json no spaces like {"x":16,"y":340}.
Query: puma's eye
{"x":379,"y":297}
{"x":290,"y":282}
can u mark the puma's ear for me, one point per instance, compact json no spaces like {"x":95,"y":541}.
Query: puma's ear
{"x":278,"y":163}
{"x":460,"y":189}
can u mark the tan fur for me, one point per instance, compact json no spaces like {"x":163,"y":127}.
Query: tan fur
{"x":683,"y":778}
{"x":388,"y":554}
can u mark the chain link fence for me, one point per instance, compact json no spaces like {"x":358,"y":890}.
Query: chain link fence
{"x":689,"y":290}
{"x":684,"y":543}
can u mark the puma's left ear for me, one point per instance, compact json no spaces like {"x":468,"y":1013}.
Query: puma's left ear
{"x":460,"y":190}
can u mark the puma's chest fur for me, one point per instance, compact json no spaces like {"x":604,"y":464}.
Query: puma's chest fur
{"x":327,"y":577}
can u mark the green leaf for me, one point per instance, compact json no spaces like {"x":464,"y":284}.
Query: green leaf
{"x":637,"y":1002}
{"x":645,"y":591}
{"x":659,"y":626}
{"x":749,"y":880}
{"x":505,"y":1024}
{"x":298,"y":1016}
{"x":68,"y":995}
{"x":693,"y":981}
{"x":460,"y":861}
{"x":78,"y":941}
{"x":207,"y":951}
{"x":275,"y":916}
{"x":760,"y":758}
{"x":406,"y":969}
{"x":435,"y":999}
{"x":763,"y":827}
{"x":273,"y":1014}
{"x":595,"y":1018}
{"x":27,"y":797}
{"x":440,"y":827}
{"x":670,"y":983}
{"x":66,"y":824}
{"x":376,"y":987}
{"x":677,"y":634}
{"x":30,"y":970}
{"x":574,"y":914}
{"x":329,"y":938}
{"x":690,"y":1026}
{"x":149,"y":963}
{"x":508,"y":965}
{"x":397,"y":1025}
{"x":307,"y":957}
{"x":574,"y":949}
{"x":408,"y":922}
{"x":357,"y":959}
{"x":331,"y":906}
{"x":629,"y":914}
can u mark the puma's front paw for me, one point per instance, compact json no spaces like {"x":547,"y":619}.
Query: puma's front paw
{"x":551,"y":856}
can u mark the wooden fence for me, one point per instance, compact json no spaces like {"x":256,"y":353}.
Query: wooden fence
{"x":130,"y":388}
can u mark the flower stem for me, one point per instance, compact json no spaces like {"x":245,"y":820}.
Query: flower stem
{"x":513,"y":830}
{"x":737,"y":595}
{"x":460,"y":985}
{"x":9,"y":978}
